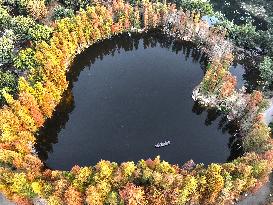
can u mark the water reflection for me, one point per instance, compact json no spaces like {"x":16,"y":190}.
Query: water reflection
{"x":48,"y":135}
{"x":247,"y":73}
{"x":124,"y":42}
{"x":181,"y":117}
{"x":226,"y":126}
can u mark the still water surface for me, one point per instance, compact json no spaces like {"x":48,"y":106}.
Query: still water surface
{"x":127,"y":94}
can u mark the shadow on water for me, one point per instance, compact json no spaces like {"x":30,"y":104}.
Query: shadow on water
{"x":127,"y":131}
{"x":246,"y":75}
{"x":127,"y":43}
{"x":225,"y":126}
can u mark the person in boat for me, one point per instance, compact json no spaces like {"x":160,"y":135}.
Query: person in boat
{"x":162,"y":144}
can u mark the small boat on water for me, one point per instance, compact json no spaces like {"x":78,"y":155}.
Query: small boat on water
{"x":162,"y":144}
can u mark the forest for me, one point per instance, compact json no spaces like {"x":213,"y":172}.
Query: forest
{"x":39,"y":42}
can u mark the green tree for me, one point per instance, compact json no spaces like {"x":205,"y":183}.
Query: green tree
{"x":266,"y":71}
{"x":7,"y":42}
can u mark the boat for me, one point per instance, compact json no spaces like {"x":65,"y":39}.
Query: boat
{"x":162,"y":144}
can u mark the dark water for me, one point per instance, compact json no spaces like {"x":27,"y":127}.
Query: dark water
{"x":246,"y":76}
{"x":126,"y":95}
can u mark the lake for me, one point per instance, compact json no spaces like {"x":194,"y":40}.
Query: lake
{"x":128,"y":93}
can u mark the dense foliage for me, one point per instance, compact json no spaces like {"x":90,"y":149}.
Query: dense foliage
{"x":8,"y":83}
{"x":34,"y":8}
{"x":76,"y":4}
{"x":266,"y":69}
{"x":18,"y":32}
{"x":23,"y":176}
{"x":62,"y":12}
{"x":7,"y":47}
{"x":204,"y":7}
